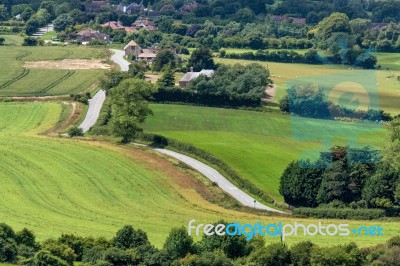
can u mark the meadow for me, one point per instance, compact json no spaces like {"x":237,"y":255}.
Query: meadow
{"x":388,"y":86}
{"x":55,"y":185}
{"x":258,"y":145}
{"x":15,"y":80}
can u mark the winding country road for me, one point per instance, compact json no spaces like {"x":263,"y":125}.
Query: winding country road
{"x":209,"y":172}
{"x":93,"y":112}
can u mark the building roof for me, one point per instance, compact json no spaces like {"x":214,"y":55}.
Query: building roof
{"x":189,"y":76}
{"x":115,"y":25}
{"x":131,"y":43}
{"x":89,"y":33}
{"x":147,"y":55}
{"x":207,"y":72}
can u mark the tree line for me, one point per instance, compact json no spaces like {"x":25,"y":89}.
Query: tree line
{"x":131,"y":246}
{"x":347,"y":177}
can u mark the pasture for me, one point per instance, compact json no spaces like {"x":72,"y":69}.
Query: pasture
{"x":55,"y":186}
{"x":15,"y":80}
{"x":257,"y":145}
{"x":387,"y":83}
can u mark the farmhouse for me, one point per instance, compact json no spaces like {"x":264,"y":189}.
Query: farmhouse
{"x":147,"y":55}
{"x":190,"y":76}
{"x":88,"y":35}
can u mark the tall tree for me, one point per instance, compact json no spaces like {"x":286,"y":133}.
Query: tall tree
{"x":164,"y":58}
{"x":167,"y":80}
{"x":129,"y":107}
{"x":201,"y":59}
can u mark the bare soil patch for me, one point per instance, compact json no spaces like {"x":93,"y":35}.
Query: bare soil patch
{"x":71,"y":64}
{"x":270,"y":93}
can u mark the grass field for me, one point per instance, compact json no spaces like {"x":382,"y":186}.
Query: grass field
{"x":55,"y":186}
{"x":18,"y":81}
{"x":281,"y":73}
{"x":258,"y":145}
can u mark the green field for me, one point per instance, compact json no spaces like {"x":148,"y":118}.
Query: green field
{"x":257,"y":145}
{"x":281,"y":73}
{"x":15,"y":80}
{"x":55,"y":186}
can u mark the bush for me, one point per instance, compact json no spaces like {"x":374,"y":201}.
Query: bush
{"x":75,"y":132}
{"x":346,"y":213}
{"x":44,"y":258}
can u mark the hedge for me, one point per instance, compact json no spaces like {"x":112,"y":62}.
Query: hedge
{"x":339,"y":213}
{"x":171,"y":95}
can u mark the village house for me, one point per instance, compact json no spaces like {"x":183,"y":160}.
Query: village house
{"x":190,"y":76}
{"x":144,"y":24}
{"x":88,"y":35}
{"x":95,"y":6}
{"x":114,"y":25}
{"x":131,"y":9}
{"x":147,"y":55}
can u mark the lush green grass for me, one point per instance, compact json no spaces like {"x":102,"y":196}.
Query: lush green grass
{"x":389,"y":60}
{"x":13,"y":39}
{"x":49,"y":35}
{"x":15,"y":81}
{"x":258,"y":145}
{"x":55,"y":186}
{"x":281,"y":73}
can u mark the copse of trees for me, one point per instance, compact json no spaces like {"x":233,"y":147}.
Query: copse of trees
{"x":231,"y":86}
{"x":343,"y":178}
{"x":130,"y":246}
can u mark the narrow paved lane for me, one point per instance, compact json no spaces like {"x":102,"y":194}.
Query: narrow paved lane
{"x":98,"y":99}
{"x":222,"y":182}
{"x":93,"y":112}
{"x":118,"y":58}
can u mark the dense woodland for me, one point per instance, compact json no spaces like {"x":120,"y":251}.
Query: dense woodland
{"x":261,"y":24}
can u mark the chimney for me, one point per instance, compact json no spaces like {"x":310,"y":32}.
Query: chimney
{"x":191,"y":69}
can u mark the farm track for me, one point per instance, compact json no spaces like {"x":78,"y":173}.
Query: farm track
{"x":55,"y":83}
{"x":24,"y":73}
{"x":25,"y":54}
